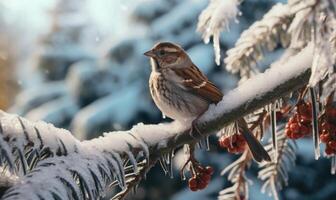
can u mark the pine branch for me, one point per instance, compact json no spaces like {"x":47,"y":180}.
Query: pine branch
{"x":26,"y":143}
{"x":261,"y":36}
{"x":275,"y":174}
{"x":236,"y":171}
{"x":7,"y":180}
{"x":213,"y":19}
{"x":133,"y":180}
{"x":90,"y":166}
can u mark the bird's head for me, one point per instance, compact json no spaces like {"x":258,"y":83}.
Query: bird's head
{"x":167,"y":54}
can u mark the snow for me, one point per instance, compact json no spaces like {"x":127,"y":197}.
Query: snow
{"x":262,"y":35}
{"x":93,"y":161}
{"x":21,"y":132}
{"x":262,"y":83}
{"x":214,"y":18}
{"x":323,"y":62}
{"x":158,"y":135}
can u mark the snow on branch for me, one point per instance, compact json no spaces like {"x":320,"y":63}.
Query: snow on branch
{"x":216,"y":17}
{"x":85,"y":170}
{"x":315,"y":21}
{"x":21,"y":138}
{"x":263,"y":35}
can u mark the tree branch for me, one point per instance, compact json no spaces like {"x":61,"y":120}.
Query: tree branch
{"x":150,"y":142}
{"x":273,"y":84}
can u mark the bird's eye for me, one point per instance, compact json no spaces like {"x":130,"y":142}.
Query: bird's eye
{"x":162,"y":52}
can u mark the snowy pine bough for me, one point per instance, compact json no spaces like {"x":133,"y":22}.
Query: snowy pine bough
{"x":294,"y":96}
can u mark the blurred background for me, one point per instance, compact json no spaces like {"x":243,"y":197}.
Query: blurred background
{"x":79,"y":65}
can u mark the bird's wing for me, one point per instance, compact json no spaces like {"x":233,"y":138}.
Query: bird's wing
{"x":197,"y":83}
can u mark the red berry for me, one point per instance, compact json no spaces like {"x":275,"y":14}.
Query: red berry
{"x":201,"y":184}
{"x":292,"y":120}
{"x":332,"y":144}
{"x":233,"y":138}
{"x":206,"y":178}
{"x":234,"y":143}
{"x":193,"y":189}
{"x":329,"y":151}
{"x":209,"y":170}
{"x":295,"y":128}
{"x":305,"y":120}
{"x":326,"y":125}
{"x":304,"y":130}
{"x":331,"y":113}
{"x":302,"y":108}
{"x":325,"y":137}
{"x":225,"y":141}
{"x":192,"y":183}
{"x":288,"y":132}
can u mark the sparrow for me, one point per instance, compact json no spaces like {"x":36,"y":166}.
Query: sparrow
{"x":182,"y":92}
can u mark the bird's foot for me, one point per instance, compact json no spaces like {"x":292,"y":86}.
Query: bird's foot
{"x":194,"y":128}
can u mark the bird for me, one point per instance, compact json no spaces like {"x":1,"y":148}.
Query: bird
{"x":182,"y":92}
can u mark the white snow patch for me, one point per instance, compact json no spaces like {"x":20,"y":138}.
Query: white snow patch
{"x":262,"y":83}
{"x":214,"y":18}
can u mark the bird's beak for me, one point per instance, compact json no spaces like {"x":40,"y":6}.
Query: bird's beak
{"x":150,"y":53}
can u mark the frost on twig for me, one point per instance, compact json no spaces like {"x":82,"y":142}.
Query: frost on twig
{"x":275,"y":174}
{"x":216,"y":17}
{"x":315,"y":22}
{"x":39,"y":153}
{"x":263,"y":35}
{"x":324,"y":51}
{"x":237,"y":176}
{"x":26,"y":143}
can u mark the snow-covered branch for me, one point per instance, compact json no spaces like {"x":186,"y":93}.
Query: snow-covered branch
{"x":262,"y":36}
{"x":216,"y":17}
{"x":86,"y":169}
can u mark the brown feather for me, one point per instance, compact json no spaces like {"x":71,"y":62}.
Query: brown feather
{"x":258,"y":152}
{"x":196,"y":82}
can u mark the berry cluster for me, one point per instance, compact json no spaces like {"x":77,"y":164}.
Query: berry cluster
{"x":328,"y":130}
{"x":201,"y":178}
{"x":299,"y":125}
{"x":234,"y":143}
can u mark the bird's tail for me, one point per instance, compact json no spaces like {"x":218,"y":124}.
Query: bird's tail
{"x":258,"y":151}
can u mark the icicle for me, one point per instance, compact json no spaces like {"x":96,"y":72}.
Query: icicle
{"x":171,"y":172}
{"x":199,"y":144}
{"x":133,"y":161}
{"x":273,"y":189}
{"x":163,"y":116}
{"x":168,"y":158}
{"x":170,"y":164}
{"x":145,"y":150}
{"x":315,"y":123}
{"x":207,"y":145}
{"x":274,"y":133}
{"x":183,"y":176}
{"x":333,"y":165}
{"x":135,"y":189}
{"x":163,"y":165}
